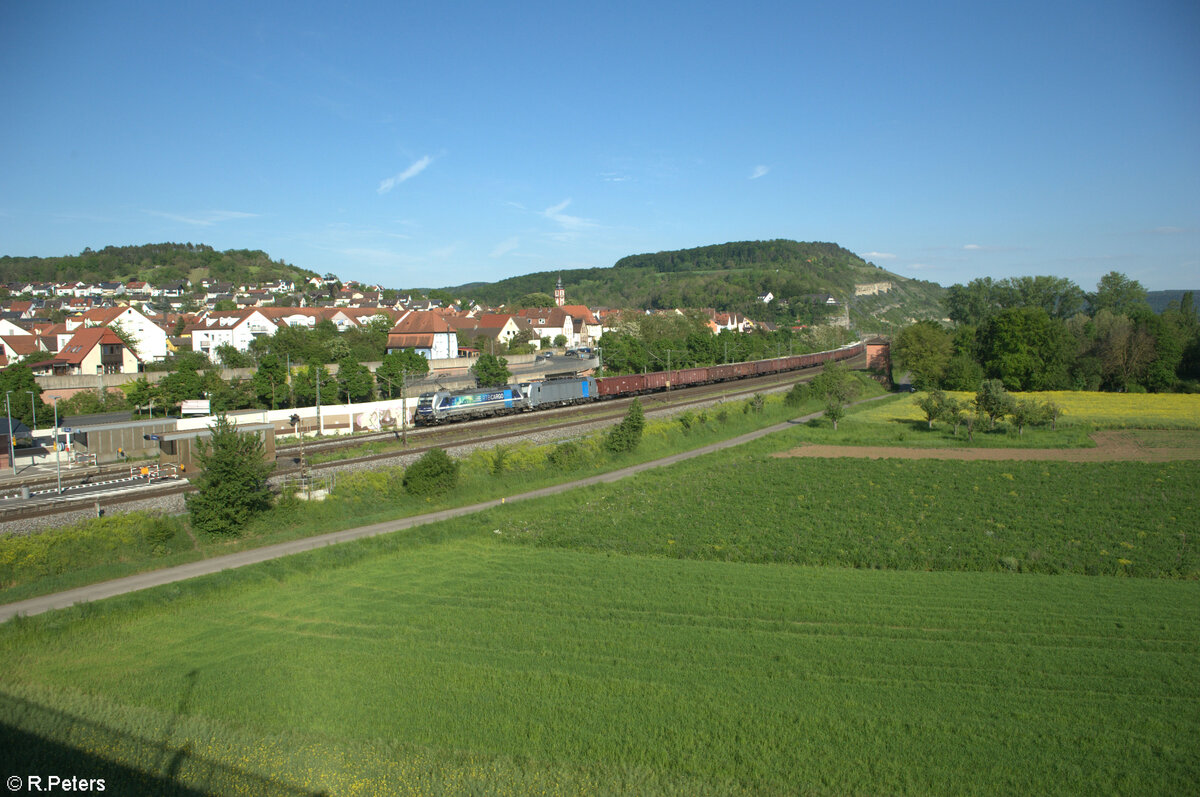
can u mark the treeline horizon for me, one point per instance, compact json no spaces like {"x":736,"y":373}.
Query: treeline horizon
{"x":1047,"y":333}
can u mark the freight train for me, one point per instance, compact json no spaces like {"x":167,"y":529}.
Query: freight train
{"x":443,"y":406}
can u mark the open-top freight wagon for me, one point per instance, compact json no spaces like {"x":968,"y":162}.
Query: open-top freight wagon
{"x":444,"y":405}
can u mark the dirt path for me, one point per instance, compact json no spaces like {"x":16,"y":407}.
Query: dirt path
{"x":1112,"y":446}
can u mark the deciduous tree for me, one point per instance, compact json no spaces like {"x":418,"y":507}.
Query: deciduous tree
{"x":396,"y":368}
{"x":491,"y":371}
{"x":923,"y":349}
{"x":993,"y":400}
{"x":836,"y":387}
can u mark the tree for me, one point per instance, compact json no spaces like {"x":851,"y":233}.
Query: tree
{"x":627,"y":434}
{"x":491,"y":371}
{"x":962,"y":373}
{"x":19,"y":379}
{"x":924,"y":350}
{"x":560,"y":340}
{"x":232,"y":487}
{"x":1053,"y":412}
{"x":1119,"y":294}
{"x":1125,"y":349}
{"x":536,"y":301}
{"x":141,"y":394}
{"x":1026,"y":349}
{"x":178,"y":386}
{"x":1025,"y":412}
{"x":395,"y":369}
{"x":354,"y":382}
{"x":954,"y":412}
{"x":312,"y":382}
{"x":230,"y":357}
{"x":933,"y":404}
{"x":836,"y":387}
{"x":270,"y":382}
{"x":993,"y":400}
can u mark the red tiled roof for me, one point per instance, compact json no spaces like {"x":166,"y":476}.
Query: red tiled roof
{"x":23,"y":345}
{"x":422,"y":323}
{"x":84,"y":341}
{"x":400,"y":340}
{"x":581,"y":312}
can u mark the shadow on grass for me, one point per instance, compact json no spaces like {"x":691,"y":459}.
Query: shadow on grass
{"x":37,"y":741}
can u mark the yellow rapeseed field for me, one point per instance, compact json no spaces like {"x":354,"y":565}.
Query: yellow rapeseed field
{"x":1103,"y":410}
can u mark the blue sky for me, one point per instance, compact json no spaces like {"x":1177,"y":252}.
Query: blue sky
{"x":435,"y":144}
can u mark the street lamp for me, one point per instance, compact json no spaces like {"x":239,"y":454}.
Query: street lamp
{"x":33,"y":407}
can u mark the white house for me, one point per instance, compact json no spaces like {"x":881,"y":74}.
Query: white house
{"x":149,"y":338}
{"x":236,"y":327}
{"x":427,"y":333}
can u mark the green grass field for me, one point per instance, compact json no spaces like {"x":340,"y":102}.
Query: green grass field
{"x":736,"y":624}
{"x":473,"y":667}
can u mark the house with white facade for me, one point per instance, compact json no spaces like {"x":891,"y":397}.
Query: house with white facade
{"x":427,"y":333}
{"x":149,"y":338}
{"x":235,"y":327}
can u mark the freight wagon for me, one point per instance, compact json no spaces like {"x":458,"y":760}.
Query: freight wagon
{"x":444,"y":405}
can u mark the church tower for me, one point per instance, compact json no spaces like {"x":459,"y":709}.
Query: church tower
{"x":560,"y":295}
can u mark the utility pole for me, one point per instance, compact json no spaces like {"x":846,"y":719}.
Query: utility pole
{"x":403,"y":409}
{"x":320,"y":420}
{"x":33,"y":407}
{"x":12,"y":453}
{"x":57,"y":455}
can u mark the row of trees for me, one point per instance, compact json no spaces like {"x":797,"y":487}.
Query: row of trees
{"x":992,"y":403}
{"x":642,"y":343}
{"x":1031,"y":334}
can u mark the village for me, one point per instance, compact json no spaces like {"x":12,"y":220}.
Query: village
{"x":78,"y":329}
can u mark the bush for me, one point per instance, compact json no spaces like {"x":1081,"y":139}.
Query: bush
{"x":567,"y":456}
{"x":500,"y":456}
{"x":796,"y":396}
{"x":687,"y":420}
{"x":627,"y":434}
{"x":433,"y":474}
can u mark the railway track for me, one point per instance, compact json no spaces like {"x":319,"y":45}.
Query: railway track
{"x":421,"y":439}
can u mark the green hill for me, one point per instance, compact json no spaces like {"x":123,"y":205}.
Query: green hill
{"x":153,"y":263}
{"x":731,"y":277}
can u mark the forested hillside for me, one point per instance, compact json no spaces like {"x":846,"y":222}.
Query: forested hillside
{"x":153,"y":263}
{"x":731,"y":277}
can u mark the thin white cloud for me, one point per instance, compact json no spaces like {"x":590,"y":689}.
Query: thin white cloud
{"x":614,"y":177}
{"x":879,"y":255}
{"x":1168,"y":230}
{"x":568,"y":223}
{"x":504,"y":247}
{"x":444,"y":252}
{"x":412,"y":171}
{"x":204,"y":218}
{"x":758,"y":172}
{"x":973,"y":247}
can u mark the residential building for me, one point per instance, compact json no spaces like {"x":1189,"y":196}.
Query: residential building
{"x":427,"y":333}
